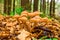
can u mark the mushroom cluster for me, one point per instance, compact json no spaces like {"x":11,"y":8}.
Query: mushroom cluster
{"x":28,"y":25}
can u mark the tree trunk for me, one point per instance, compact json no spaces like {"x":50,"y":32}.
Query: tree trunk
{"x":14,"y":6}
{"x":35,"y":5}
{"x":41,"y":3}
{"x":6,"y":6}
{"x":52,"y":8}
{"x":47,"y":8}
{"x":9,"y":6}
{"x":26,"y":4}
{"x":44,"y":6}
{"x":38,"y":5}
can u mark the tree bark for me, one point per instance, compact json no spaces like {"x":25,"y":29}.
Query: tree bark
{"x":41,"y":3}
{"x":44,"y":6}
{"x":26,"y":4}
{"x":52,"y":8}
{"x":14,"y":6}
{"x":9,"y":6}
{"x":6,"y":6}
{"x":35,"y":5}
{"x":47,"y":8}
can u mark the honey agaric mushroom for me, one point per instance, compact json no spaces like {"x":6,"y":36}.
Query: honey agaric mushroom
{"x":19,"y":27}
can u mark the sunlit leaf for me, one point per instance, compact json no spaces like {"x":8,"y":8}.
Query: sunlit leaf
{"x":55,"y":39}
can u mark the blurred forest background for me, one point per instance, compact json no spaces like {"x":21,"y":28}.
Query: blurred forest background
{"x":47,"y":7}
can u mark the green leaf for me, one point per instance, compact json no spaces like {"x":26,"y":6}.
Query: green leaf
{"x":55,"y":39}
{"x":19,"y":10}
{"x":42,"y":15}
{"x":49,"y":17}
{"x":42,"y":38}
{"x":49,"y":39}
{"x":12,"y":13}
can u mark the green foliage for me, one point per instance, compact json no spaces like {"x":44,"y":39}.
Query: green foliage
{"x":12,"y":13}
{"x":51,"y":39}
{"x":4,"y":14}
{"x":1,"y":1}
{"x":42,"y":38}
{"x":55,"y":39}
{"x":49,"y":17}
{"x":19,"y":10}
{"x":44,"y":15}
{"x":45,"y":38}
